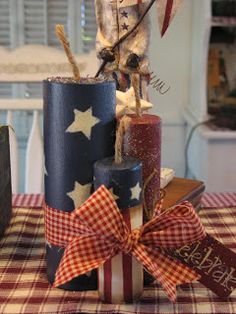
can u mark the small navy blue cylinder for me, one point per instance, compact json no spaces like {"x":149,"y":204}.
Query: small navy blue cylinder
{"x":124,"y":180}
{"x":79,"y":129}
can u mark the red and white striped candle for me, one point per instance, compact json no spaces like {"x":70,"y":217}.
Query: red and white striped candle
{"x":121,"y":277}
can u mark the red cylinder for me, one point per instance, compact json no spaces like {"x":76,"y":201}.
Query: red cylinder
{"x":143,"y":141}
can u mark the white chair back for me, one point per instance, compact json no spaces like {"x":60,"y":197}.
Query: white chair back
{"x":34,"y":160}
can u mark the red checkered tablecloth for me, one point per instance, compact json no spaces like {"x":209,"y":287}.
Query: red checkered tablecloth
{"x":24,"y":287}
{"x":28,"y":200}
{"x":209,"y":200}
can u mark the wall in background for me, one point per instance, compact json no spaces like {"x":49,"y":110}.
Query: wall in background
{"x":33,"y":22}
{"x":170,"y":61}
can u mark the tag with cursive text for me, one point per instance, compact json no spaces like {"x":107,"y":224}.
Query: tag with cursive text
{"x":213,"y":261}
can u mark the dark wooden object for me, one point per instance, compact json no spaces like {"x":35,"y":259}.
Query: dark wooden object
{"x":180,"y":189}
{"x":5,"y":180}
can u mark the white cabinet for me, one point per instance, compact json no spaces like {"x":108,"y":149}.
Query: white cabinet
{"x":211,"y":153}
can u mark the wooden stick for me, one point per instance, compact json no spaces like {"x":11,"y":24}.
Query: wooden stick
{"x":135,"y":84}
{"x":66,"y":45}
{"x":148,"y":213}
{"x":122,"y":129}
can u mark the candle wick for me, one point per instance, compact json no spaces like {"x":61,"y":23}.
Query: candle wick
{"x":120,"y":133}
{"x":66,"y":45}
{"x":135,"y":84}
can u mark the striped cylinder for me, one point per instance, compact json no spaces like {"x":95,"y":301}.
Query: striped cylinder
{"x":120,"y":279}
{"x":143,"y":141}
{"x":79,"y":129}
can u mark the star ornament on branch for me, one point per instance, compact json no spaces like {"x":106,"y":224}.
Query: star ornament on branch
{"x":125,"y":103}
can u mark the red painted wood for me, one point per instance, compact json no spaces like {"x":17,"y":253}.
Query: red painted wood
{"x":127,"y":265}
{"x":143,"y":141}
{"x":107,"y":281}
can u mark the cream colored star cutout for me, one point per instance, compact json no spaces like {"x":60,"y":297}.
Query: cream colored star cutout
{"x":80,"y":193}
{"x":135,"y":192}
{"x":125,"y":103}
{"x":84,"y":122}
{"x":114,"y":195}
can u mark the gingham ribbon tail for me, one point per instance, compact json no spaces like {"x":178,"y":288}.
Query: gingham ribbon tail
{"x":96,"y":231}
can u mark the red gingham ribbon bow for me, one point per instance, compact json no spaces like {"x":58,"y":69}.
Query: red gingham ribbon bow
{"x":96,"y":231}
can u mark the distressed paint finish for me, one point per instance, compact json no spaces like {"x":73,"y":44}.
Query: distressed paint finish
{"x":143,"y":141}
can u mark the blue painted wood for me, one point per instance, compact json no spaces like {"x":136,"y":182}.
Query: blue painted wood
{"x":121,"y":178}
{"x":69,"y":157}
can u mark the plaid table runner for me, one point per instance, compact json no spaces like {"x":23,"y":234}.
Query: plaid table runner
{"x":24,"y":287}
{"x":209,"y":200}
{"x":219,"y":200}
{"x":28,"y":200}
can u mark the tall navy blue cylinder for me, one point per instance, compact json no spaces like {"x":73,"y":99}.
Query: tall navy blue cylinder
{"x":79,"y":129}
